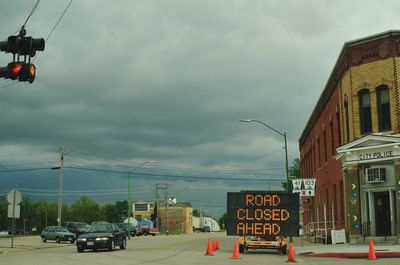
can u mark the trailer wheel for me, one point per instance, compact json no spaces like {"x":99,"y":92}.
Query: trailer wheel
{"x":283,"y":249}
{"x":241,"y":248}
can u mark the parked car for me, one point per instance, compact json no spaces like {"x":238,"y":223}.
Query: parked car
{"x":76,"y":227}
{"x":134,"y":231}
{"x":101,"y":236}
{"x":146,"y":228}
{"x":58,"y":234}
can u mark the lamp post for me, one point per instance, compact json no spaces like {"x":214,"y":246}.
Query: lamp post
{"x":129,"y":195}
{"x":288,"y":189}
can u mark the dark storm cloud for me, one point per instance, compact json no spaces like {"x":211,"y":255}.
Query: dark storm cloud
{"x":169,"y":80}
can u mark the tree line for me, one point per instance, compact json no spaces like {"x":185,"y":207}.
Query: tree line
{"x":37,"y":214}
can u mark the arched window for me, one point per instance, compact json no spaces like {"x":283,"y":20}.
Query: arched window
{"x":383,"y":106}
{"x":365,"y":111}
{"x":346,"y":113}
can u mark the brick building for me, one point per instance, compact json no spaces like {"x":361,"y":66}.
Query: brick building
{"x":176,"y":218}
{"x":351,"y":142}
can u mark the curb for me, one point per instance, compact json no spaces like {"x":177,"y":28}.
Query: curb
{"x":352,"y":255}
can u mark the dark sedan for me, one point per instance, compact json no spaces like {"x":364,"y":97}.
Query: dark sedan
{"x":101,"y":236}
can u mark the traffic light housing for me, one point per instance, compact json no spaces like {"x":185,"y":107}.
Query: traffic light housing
{"x":21,"y":71}
{"x":22,"y":45}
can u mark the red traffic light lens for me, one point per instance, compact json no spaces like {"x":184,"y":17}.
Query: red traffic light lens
{"x":15,"y":68}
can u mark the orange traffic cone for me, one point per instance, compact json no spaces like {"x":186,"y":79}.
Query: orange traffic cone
{"x":216,"y":244}
{"x":236,"y":254}
{"x":213,"y":246}
{"x":209,"y":250}
{"x":371,"y":252}
{"x":291,"y":255}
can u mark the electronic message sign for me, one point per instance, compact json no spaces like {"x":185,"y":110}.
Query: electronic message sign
{"x":257,"y":213}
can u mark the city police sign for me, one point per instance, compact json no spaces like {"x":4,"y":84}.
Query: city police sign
{"x":263,"y":213}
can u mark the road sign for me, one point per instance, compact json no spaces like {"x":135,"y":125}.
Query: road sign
{"x":296,"y":185}
{"x":14,"y":197}
{"x":307,"y":193}
{"x":261,"y":213}
{"x":306,"y":187}
{"x":16,"y":211}
{"x":309,"y":184}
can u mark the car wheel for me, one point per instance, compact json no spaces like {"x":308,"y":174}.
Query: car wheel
{"x":80,"y":249}
{"x":58,"y":240}
{"x":123,"y":246}
{"x":44,"y":239}
{"x":111,"y":246}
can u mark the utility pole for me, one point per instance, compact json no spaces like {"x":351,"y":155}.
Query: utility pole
{"x":166,"y":207}
{"x":60,"y":186}
{"x":164,"y":186}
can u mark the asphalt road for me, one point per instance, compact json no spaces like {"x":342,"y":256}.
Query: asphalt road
{"x":166,"y":250}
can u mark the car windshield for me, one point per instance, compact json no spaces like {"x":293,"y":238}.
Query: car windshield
{"x":100,"y":228}
{"x":81,"y":226}
{"x":61,"y":229}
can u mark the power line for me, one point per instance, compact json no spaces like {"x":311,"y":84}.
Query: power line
{"x":52,"y":30}
{"x":23,"y":169}
{"x":171,"y":176}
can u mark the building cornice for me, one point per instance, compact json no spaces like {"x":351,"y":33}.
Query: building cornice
{"x":356,"y":52}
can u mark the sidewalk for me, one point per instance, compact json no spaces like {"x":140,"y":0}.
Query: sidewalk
{"x":304,"y":247}
{"x":27,"y":243}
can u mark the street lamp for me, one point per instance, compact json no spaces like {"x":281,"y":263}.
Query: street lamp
{"x":129,"y":195}
{"x":288,"y":189}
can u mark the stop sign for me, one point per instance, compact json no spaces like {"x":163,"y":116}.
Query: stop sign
{"x":14,"y":197}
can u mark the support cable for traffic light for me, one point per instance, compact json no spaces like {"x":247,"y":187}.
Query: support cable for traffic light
{"x":31,"y":13}
{"x":51,"y":31}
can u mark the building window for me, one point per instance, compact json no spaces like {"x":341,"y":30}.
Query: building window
{"x":346,"y":113}
{"x":376,"y":175}
{"x":313,"y":158}
{"x":332,"y":138}
{"x":341,"y":203}
{"x":339,"y":128}
{"x":328,"y":204}
{"x":365,"y":111}
{"x":141,"y":207}
{"x":335,"y":215}
{"x":383,"y":106}
{"x":325,"y":148}
{"x":319,"y":152}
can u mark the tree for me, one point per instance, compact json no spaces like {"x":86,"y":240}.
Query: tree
{"x":294,"y":173}
{"x":86,"y":210}
{"x":196,"y":213}
{"x":222,"y":220}
{"x":114,"y":213}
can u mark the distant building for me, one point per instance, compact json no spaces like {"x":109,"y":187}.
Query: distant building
{"x":177,"y":219}
{"x":351,"y":141}
{"x":205,"y":224}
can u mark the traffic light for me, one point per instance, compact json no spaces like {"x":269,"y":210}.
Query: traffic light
{"x":20,"y":71}
{"x":22,"y":45}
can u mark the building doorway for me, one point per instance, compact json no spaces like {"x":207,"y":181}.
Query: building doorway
{"x":382,"y":213}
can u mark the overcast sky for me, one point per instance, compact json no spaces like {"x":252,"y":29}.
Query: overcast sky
{"x":124,"y":82}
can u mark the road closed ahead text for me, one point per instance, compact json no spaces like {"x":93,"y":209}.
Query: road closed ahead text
{"x":262,"y":213}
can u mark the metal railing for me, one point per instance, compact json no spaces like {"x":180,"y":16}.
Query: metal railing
{"x":319,"y":231}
